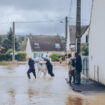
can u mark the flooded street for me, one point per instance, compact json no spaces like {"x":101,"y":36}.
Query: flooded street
{"x":16,"y":89}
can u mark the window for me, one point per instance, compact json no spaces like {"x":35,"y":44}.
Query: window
{"x":41,"y":55}
{"x":87,"y":39}
{"x":57,"y":45}
{"x":36,"y":45}
{"x":46,"y":55}
{"x":35,"y":55}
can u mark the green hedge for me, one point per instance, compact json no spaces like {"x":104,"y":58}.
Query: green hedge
{"x":56,"y":56}
{"x":5,"y":57}
{"x":85,"y":50}
{"x":21,"y":56}
{"x":9,"y":51}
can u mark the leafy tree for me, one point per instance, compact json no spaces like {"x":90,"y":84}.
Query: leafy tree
{"x":85,"y":50}
{"x":23,"y":45}
{"x":17,"y":48}
{"x":0,"y":40}
{"x":10,"y":35}
{"x":9,"y":51}
{"x":7,"y":43}
{"x":55,"y":56}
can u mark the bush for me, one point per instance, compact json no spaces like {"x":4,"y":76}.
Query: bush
{"x":85,"y":51}
{"x":21,"y":56}
{"x":5,"y":57}
{"x":9,"y":51}
{"x":56,"y":56}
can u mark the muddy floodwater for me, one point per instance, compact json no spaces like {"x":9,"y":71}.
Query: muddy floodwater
{"x":16,"y":89}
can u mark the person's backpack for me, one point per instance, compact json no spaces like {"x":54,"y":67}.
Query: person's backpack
{"x":73,"y":62}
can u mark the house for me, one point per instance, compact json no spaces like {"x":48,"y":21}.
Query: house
{"x":84,"y":42}
{"x":44,"y":45}
{"x":84,"y":31}
{"x":85,"y":37}
{"x":97,"y":42}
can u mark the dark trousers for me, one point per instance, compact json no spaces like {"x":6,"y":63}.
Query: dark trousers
{"x":50,"y":71}
{"x":78,"y":77}
{"x":31,"y":71}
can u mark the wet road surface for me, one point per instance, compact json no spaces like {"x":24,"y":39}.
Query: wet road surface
{"x":16,"y":89}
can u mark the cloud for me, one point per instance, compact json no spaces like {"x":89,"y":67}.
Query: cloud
{"x":39,"y":10}
{"x":37,"y":5}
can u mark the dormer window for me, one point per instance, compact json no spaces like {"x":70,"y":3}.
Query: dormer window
{"x":57,"y":45}
{"x":36,"y":45}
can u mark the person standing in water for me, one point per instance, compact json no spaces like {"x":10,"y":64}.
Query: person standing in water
{"x":49,"y":67}
{"x":31,"y":69}
{"x":78,"y":68}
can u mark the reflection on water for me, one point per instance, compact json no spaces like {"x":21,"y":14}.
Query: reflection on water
{"x":98,"y":100}
{"x":74,"y":101}
{"x":90,"y":100}
{"x":46,"y":79}
{"x":31,"y":93}
{"x":40,"y":91}
{"x":12,"y":94}
{"x":10,"y":67}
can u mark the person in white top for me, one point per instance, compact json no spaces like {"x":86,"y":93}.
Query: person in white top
{"x":71,"y":66}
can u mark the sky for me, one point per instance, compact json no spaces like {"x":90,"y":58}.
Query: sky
{"x":40,"y":17}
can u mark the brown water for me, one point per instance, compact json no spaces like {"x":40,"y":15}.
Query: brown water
{"x":16,"y":89}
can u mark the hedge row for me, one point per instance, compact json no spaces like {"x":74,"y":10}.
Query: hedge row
{"x":56,"y":56}
{"x":21,"y":56}
{"x":5,"y":57}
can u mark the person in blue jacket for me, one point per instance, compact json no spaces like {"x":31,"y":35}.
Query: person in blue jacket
{"x":49,"y":67}
{"x":78,"y":67}
{"x":31,"y":69}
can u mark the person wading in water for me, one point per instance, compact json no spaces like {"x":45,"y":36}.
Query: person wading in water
{"x":31,"y":69}
{"x":49,"y":67}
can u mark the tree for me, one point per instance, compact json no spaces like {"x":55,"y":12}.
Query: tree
{"x":85,"y":50}
{"x":7,"y":43}
{"x":55,"y":56}
{"x":10,"y":35}
{"x":17,"y":48}
{"x":0,"y":40}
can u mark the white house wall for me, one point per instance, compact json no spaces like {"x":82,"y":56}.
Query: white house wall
{"x":83,"y":39}
{"x":97,"y":42}
{"x":45,"y":54}
{"x":28,"y":49}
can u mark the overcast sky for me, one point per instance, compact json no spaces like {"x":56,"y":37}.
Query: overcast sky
{"x":48,"y":15}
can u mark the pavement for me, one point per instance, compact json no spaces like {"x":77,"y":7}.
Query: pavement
{"x":87,"y":86}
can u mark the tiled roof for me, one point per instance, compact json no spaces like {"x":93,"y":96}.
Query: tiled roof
{"x":73,"y":33}
{"x":46,"y":43}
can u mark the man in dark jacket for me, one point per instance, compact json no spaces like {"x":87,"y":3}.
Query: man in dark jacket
{"x":31,"y":68}
{"x":78,"y":68}
{"x":49,"y":67}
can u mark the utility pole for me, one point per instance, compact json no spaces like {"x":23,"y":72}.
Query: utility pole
{"x":66,"y":37}
{"x":78,"y":26}
{"x":66,"y":31}
{"x":13,"y":42}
